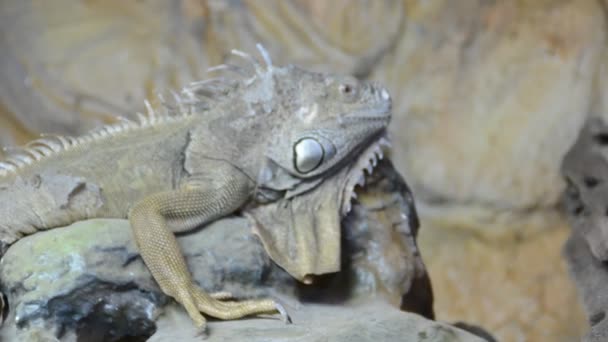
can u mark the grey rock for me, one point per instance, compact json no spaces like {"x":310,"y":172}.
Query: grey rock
{"x":87,"y":281}
{"x":586,"y":202}
{"x":363,"y":322}
{"x":591,"y":278}
{"x":585,"y":168}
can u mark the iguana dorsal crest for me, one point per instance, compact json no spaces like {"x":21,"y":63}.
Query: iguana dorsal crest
{"x":197,"y":97}
{"x":49,"y":145}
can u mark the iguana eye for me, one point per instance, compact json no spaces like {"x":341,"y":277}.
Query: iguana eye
{"x":308,"y":155}
{"x":348,"y":90}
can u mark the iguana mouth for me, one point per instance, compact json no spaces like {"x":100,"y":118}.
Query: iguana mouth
{"x":365,"y":163}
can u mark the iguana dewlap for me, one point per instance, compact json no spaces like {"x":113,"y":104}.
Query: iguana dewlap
{"x":284,"y":145}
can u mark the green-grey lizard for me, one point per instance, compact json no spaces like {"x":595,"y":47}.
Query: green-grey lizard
{"x":254,"y":143}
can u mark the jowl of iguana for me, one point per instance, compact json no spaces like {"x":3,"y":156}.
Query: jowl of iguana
{"x":284,"y":146}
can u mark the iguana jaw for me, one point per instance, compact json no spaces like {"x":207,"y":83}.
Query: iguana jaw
{"x":366,"y":162}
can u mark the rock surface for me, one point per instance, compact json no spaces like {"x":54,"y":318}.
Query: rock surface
{"x":586,"y":169}
{"x":75,"y":86}
{"x":518,"y":289}
{"x":586,"y":199}
{"x":481,"y":115}
{"x":591,"y":277}
{"x":88,"y":278}
{"x":365,"y":322}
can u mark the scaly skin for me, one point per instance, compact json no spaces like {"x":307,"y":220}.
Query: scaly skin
{"x":228,"y":146}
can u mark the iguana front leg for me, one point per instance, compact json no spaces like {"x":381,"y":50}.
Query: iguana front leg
{"x":156,"y":217}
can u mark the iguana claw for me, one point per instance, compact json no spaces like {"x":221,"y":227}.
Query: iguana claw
{"x":284,"y":315}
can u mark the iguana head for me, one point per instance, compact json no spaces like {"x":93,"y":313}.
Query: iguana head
{"x":309,"y":124}
{"x":326,"y":121}
{"x":291,"y":126}
{"x":306,"y":138}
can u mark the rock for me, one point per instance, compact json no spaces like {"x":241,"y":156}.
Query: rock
{"x":518,"y":289}
{"x":586,"y":199}
{"x":90,"y":272}
{"x":591,"y":277}
{"x":481,"y":120}
{"x":586,"y":170}
{"x":88,"y":279}
{"x":75,"y":86}
{"x":373,"y":321}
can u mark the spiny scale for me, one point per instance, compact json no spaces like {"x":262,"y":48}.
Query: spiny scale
{"x":49,"y":145}
{"x":366,"y":162}
{"x":209,"y":89}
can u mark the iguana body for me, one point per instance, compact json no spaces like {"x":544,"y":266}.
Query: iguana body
{"x":231,"y":145}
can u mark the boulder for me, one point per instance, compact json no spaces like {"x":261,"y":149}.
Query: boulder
{"x":362,"y":322}
{"x":585,"y":169}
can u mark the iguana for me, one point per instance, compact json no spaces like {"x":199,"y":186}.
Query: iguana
{"x":255,"y":143}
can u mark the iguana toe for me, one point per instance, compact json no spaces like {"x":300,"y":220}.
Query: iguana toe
{"x":212,"y":305}
{"x":221,"y":295}
{"x":187,"y":300}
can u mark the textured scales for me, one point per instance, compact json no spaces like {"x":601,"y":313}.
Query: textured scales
{"x":282,"y":145}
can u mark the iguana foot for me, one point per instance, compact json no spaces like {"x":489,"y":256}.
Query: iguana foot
{"x":197,"y":302}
